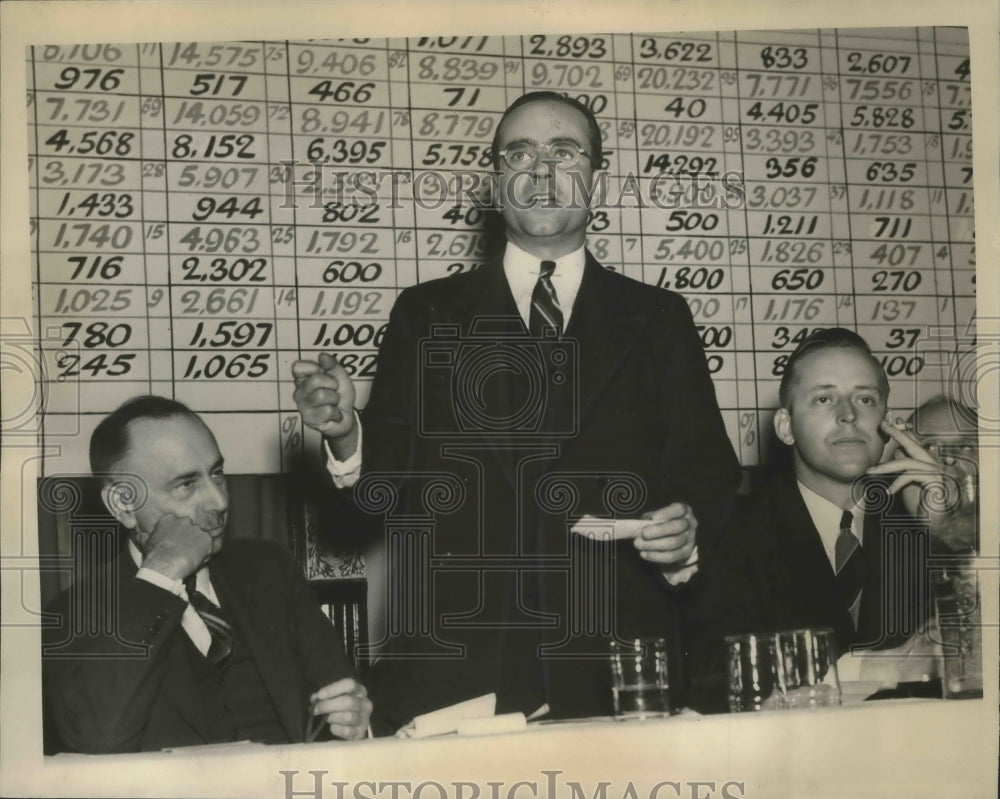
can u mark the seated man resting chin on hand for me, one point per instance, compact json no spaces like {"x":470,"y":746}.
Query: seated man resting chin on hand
{"x":206,"y":641}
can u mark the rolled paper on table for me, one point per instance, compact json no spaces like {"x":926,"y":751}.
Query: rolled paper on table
{"x":508,"y":722}
{"x":446,"y":719}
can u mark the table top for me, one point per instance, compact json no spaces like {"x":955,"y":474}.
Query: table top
{"x":913,"y":747}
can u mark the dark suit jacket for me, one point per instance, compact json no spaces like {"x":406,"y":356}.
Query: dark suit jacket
{"x":773,"y":574}
{"x":126,"y":684}
{"x":617,"y":418}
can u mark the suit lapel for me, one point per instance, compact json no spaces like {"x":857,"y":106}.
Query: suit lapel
{"x":180,"y":686}
{"x":255,"y":614}
{"x":805,"y":568}
{"x":871,"y":618}
{"x":486,"y":294}
{"x":605,"y":329}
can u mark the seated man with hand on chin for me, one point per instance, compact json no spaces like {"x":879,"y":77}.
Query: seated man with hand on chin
{"x":184,"y":639}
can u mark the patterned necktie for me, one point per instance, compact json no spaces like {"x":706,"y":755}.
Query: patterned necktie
{"x":850,"y":566}
{"x":545,"y":313}
{"x":214,"y":618}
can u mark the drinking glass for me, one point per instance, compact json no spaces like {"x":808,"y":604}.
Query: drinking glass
{"x":807,"y":668}
{"x":639,"y":682}
{"x":753,"y":672}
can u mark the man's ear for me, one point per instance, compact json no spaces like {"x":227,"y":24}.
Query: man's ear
{"x":783,"y":426}
{"x":117,"y":497}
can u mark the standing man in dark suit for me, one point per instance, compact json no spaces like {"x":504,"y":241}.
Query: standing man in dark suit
{"x":823,"y":545}
{"x":540,"y":388}
{"x":183,"y":640}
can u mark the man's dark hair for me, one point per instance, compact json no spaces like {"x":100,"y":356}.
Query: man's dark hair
{"x":110,"y":442}
{"x":594,"y":148}
{"x":825,"y":339}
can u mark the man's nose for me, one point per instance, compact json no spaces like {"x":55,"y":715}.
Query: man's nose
{"x":216,"y":497}
{"x":846,"y":411}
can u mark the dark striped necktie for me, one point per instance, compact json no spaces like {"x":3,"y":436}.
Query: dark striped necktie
{"x":850,"y":566}
{"x":545,"y":313}
{"x":215,"y":619}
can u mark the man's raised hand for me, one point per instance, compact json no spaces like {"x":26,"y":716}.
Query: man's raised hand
{"x":324,"y":395}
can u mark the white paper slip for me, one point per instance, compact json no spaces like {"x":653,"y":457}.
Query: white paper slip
{"x":507,"y":722}
{"x":609,"y":529}
{"x":619,"y":529}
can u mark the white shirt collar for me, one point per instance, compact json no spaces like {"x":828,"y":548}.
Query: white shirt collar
{"x":826,"y":517}
{"x":203,"y":582}
{"x":521,"y":270}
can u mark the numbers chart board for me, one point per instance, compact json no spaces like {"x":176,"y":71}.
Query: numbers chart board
{"x":203,"y":214}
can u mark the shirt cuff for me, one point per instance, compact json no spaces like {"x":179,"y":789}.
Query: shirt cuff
{"x":345,"y":473}
{"x":175,"y":587}
{"x":686,"y":571}
{"x":849,"y":667}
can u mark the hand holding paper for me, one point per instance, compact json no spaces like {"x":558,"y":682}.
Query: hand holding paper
{"x":665,"y":537}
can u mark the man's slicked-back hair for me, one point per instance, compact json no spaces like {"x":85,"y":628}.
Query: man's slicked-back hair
{"x":110,"y":442}
{"x":594,"y":148}
{"x":824,"y":339}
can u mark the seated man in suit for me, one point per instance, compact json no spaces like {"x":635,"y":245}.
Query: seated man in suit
{"x":935,"y":472}
{"x":184,"y":639}
{"x":823,"y":545}
{"x":935,"y":468}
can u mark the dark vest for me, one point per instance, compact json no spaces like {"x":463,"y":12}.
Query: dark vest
{"x":237,"y":705}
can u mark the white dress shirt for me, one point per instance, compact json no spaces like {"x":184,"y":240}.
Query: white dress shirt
{"x":191,"y":622}
{"x":521,"y":270}
{"x":826,"y":517}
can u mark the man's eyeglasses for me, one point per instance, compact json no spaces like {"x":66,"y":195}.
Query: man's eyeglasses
{"x":950,"y":452}
{"x":526,"y":156}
